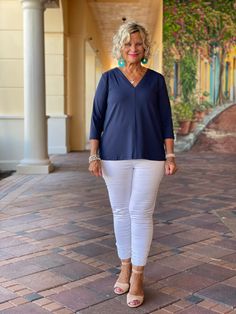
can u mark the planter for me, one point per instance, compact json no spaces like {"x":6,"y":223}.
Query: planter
{"x":193,"y":125}
{"x":184,"y":127}
{"x":209,"y":110}
{"x":199,"y":115}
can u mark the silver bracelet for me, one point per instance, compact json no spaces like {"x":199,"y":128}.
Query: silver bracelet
{"x":170,"y":155}
{"x":93,"y":158}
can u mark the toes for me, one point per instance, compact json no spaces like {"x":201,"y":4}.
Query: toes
{"x":134,"y":302}
{"x":118,"y":290}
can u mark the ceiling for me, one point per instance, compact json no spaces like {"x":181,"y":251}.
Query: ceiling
{"x":109,"y":14}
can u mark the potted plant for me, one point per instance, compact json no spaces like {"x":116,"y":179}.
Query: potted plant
{"x":208,"y":106}
{"x":202,"y":107}
{"x":200,"y":111}
{"x":184,"y":115}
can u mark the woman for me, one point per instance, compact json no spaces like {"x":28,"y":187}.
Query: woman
{"x":132,"y":146}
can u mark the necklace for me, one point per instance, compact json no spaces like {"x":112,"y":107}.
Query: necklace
{"x":134,"y":79}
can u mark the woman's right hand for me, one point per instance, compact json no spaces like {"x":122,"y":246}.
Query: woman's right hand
{"x":95,"y":168}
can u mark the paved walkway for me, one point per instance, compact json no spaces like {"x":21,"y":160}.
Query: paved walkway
{"x":57,"y":252}
{"x":186,"y":142}
{"x":220,"y":134}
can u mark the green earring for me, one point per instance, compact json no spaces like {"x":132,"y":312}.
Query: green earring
{"x":121,"y":63}
{"x":144,"y":60}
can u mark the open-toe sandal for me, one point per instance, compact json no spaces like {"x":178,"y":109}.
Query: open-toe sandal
{"x":135,"y":300}
{"x":119,"y":287}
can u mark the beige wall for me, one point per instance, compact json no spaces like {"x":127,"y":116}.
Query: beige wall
{"x":54,"y":61}
{"x":156,"y":60}
{"x":11,"y":58}
{"x":231,"y":58}
{"x":203,"y":84}
{"x":81,"y":27}
{"x":67,"y":29}
{"x":90,"y":86}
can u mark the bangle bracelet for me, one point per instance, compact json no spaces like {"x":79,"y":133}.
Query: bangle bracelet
{"x":93,"y":158}
{"x":170,"y":155}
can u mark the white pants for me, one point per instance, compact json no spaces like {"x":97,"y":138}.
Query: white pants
{"x":132,"y":187}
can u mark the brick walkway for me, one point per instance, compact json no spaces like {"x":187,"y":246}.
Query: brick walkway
{"x":57,"y":252}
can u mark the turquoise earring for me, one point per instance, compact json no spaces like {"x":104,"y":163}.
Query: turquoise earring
{"x":144,"y":60}
{"x":121,"y":63}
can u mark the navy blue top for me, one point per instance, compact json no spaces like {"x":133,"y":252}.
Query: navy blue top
{"x":131,"y":122}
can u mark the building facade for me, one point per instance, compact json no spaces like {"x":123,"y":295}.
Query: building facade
{"x":51,"y":58}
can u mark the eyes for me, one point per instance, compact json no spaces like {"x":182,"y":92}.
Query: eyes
{"x":137,"y":45}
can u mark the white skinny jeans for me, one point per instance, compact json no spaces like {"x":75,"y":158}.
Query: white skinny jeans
{"x":132,"y":187}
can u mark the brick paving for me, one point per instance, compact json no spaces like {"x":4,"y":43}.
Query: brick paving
{"x":220,"y":133}
{"x":57,"y":248}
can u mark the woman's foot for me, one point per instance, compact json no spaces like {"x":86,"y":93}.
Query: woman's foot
{"x":122,"y":284}
{"x":135,"y":296}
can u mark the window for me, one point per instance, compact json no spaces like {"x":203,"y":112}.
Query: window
{"x":227,"y":68}
{"x":176,"y":79}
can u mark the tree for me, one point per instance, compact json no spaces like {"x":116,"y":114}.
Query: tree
{"x":188,"y":73}
{"x":221,"y":34}
{"x":200,"y":26}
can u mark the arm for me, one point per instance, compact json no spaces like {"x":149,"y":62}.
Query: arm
{"x":95,"y":166}
{"x":167,"y":128}
{"x":99,"y":109}
{"x":96,"y":128}
{"x":170,"y":164}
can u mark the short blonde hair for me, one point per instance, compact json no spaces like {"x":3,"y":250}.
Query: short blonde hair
{"x":123,"y":36}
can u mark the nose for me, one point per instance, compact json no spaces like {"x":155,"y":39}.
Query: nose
{"x":133,"y":47}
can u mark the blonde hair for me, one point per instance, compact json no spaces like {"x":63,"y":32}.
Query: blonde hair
{"x":123,"y":36}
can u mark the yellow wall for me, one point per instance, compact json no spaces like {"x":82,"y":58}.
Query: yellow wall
{"x":157,"y":38}
{"x":204,"y":76}
{"x":66,"y":30}
{"x":232,"y":70}
{"x":54,"y":61}
{"x":81,"y":27}
{"x":11,"y":58}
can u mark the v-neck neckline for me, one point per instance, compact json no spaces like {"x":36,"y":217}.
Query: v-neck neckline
{"x":125,"y":77}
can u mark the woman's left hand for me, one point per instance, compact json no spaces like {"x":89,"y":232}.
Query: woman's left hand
{"x":170,"y":166}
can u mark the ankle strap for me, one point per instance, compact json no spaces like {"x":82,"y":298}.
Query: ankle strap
{"x":137,"y":271}
{"x":125,"y":263}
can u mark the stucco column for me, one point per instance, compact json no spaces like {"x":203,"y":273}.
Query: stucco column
{"x":36,"y":160}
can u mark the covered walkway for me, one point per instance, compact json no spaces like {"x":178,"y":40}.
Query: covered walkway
{"x":57,"y":250}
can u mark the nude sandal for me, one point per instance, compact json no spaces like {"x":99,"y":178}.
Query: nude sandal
{"x":123,"y":287}
{"x":131,"y":297}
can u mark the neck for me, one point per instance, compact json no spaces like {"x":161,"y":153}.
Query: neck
{"x":133,"y":67}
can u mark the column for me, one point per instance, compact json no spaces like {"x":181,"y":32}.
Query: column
{"x":36,"y":160}
{"x":90,"y":87}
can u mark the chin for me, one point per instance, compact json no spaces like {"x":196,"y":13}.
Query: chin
{"x":134,"y":60}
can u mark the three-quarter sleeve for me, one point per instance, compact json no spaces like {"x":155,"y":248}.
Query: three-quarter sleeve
{"x":165,"y":110}
{"x":99,"y":108}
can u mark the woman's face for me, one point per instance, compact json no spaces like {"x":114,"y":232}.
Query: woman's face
{"x":133,"y":51}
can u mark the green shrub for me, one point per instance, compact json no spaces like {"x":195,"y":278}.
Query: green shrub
{"x":183,"y":111}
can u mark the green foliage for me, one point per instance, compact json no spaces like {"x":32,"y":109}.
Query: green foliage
{"x":208,"y":27}
{"x":188,"y":73}
{"x":183,"y":111}
{"x":168,"y":65}
{"x":197,"y":24}
{"x":206,"y":94}
{"x":174,"y":117}
{"x":200,"y":107}
{"x":207,"y":104}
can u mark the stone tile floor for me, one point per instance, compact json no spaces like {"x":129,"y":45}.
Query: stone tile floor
{"x":57,"y":249}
